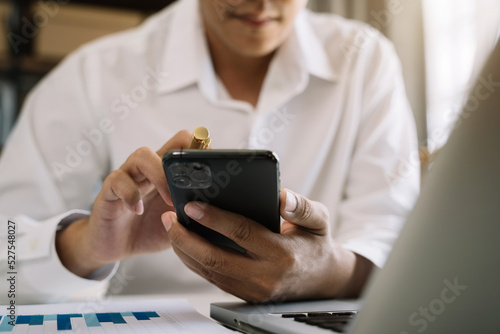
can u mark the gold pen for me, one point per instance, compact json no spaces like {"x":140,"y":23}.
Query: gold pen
{"x":201,"y":139}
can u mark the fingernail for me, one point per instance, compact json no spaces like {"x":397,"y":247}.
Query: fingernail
{"x":291,"y":202}
{"x":195,"y":210}
{"x":139,"y":207}
{"x":167,"y":223}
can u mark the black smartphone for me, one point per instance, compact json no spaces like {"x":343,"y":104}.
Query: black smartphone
{"x":246,"y":182}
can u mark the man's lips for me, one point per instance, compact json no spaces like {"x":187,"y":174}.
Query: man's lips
{"x":255,"y":20}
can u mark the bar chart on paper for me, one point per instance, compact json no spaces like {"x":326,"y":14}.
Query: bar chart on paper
{"x":155,"y":316}
{"x":62,"y":322}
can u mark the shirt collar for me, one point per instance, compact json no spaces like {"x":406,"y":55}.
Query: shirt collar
{"x":184,"y":59}
{"x":187,"y":60}
{"x":312,"y":51}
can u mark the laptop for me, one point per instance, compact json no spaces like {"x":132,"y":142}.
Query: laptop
{"x":443,"y":275}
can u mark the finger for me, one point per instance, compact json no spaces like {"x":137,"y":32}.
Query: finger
{"x":207,"y":255}
{"x":247,"y":233}
{"x":303,"y":213}
{"x":120,"y":186}
{"x":180,"y":140}
{"x":145,"y":167}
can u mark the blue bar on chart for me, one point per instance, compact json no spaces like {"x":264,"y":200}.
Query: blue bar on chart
{"x":64,"y":320}
{"x":23,"y":319}
{"x":115,"y":318}
{"x":5,"y":326}
{"x":36,"y":320}
{"x":32,"y":320}
{"x":145,"y":315}
{"x":91,"y":320}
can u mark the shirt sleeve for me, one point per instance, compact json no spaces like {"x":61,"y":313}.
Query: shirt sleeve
{"x":49,"y":168}
{"x":384,"y":177}
{"x":40,"y":276}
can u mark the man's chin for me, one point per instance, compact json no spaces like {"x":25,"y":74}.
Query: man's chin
{"x":255,"y":51}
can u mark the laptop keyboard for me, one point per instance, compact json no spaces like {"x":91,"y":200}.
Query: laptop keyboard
{"x":335,"y":321}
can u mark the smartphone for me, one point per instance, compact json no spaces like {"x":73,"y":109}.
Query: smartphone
{"x":246,"y":182}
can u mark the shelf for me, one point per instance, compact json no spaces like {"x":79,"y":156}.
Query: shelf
{"x":27,"y":64}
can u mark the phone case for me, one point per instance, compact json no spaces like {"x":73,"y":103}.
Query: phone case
{"x":246,"y":182}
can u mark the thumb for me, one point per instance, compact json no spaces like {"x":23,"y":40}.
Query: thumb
{"x":303,"y":213}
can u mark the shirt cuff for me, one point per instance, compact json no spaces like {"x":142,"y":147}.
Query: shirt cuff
{"x":373,"y":250}
{"x":43,"y":277}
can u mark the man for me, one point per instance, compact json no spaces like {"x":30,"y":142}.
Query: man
{"x":324,"y":93}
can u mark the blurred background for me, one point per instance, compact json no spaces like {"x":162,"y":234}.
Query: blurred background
{"x":442,"y":45}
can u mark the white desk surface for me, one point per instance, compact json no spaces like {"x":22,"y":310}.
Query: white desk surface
{"x":201,"y":302}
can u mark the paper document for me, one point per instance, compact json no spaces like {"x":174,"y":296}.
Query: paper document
{"x":142,"y":317}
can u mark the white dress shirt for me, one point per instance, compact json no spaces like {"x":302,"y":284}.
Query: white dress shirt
{"x":332,"y":106}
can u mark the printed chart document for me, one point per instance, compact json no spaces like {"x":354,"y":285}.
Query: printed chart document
{"x":142,"y":317}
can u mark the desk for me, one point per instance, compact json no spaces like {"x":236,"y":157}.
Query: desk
{"x":201,"y":302}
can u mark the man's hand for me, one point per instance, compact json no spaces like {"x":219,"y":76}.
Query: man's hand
{"x":301,"y":262}
{"x":125,"y":218}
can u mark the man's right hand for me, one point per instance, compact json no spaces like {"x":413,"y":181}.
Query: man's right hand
{"x":126,"y":215}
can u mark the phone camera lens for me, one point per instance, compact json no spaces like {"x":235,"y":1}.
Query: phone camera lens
{"x":177,"y":169}
{"x":200,"y":176}
{"x":182,"y":182}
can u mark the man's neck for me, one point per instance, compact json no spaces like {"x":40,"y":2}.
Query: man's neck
{"x":242,"y":76}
